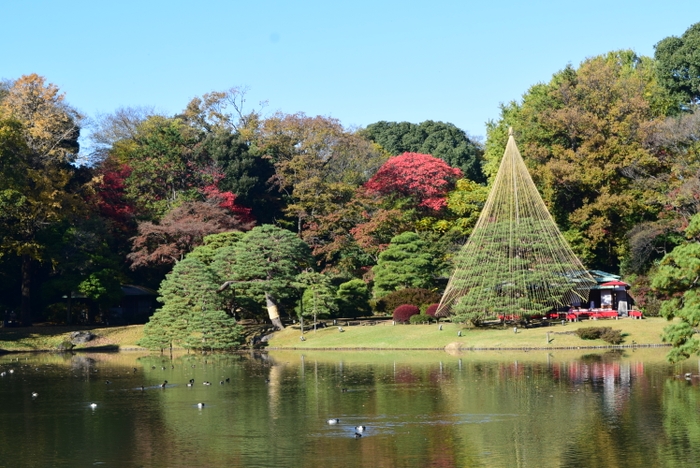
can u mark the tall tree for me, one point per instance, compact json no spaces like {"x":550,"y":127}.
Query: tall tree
{"x":420,"y":176}
{"x":50,"y":187}
{"x":584,"y":136}
{"x":679,"y":65}
{"x":317,"y":162}
{"x":676,"y":281}
{"x":439,"y":139}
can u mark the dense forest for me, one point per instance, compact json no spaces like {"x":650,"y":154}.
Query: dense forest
{"x":239,"y":214}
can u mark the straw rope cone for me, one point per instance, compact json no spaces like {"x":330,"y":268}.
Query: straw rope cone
{"x":516,"y":262}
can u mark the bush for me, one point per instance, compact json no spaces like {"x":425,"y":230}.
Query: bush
{"x":606,"y":334}
{"x":431,"y":310}
{"x":420,"y":318}
{"x":417,"y":296}
{"x":403,"y":313}
{"x":612,"y":336}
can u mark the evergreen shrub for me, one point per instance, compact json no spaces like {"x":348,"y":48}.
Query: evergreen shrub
{"x":606,"y":334}
{"x":420,"y":318}
{"x":403,"y":313}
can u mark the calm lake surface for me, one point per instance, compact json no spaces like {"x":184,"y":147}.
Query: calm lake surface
{"x":421,"y":409}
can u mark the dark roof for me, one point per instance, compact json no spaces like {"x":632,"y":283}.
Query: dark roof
{"x":133,"y":290}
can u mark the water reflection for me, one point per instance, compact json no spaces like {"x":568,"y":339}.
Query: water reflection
{"x":419,"y":408}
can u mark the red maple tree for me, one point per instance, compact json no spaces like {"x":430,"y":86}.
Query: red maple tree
{"x":419,"y":176}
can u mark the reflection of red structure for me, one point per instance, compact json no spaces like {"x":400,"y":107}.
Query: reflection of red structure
{"x":619,"y":372}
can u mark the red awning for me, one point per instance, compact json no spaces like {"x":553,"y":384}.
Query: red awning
{"x":616,"y":283}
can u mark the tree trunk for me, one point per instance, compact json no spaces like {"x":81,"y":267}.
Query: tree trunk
{"x":26,"y":291}
{"x":273,"y":312}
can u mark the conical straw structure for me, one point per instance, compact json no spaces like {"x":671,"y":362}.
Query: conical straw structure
{"x":516,"y":262}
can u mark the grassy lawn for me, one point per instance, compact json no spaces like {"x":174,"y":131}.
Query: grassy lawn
{"x":387,"y":336}
{"x":49,"y":338}
{"x":381,"y":336}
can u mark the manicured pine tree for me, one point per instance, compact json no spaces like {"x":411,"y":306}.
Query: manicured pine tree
{"x":353,"y":299}
{"x":404,"y":264}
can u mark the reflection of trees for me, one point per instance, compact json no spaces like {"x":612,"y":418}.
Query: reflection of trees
{"x":438,"y":411}
{"x":681,"y":423}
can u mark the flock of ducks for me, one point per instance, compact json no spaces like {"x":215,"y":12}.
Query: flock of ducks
{"x":359,"y":430}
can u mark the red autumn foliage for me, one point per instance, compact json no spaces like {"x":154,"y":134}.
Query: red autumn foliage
{"x":403,"y":313}
{"x":227,"y":200}
{"x":180,"y":231}
{"x":111,"y":196}
{"x":420,"y":176}
{"x":431,"y":310}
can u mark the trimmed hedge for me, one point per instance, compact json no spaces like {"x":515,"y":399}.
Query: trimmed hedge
{"x":420,"y":318}
{"x":403,"y":313}
{"x":606,"y":334}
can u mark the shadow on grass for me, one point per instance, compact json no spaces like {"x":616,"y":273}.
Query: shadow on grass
{"x":97,"y":349}
{"x":21,"y":333}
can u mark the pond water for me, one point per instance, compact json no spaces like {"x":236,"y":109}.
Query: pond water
{"x":420,"y":409}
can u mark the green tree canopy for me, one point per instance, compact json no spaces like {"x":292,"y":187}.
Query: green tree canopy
{"x":192,"y":315}
{"x":679,"y":64}
{"x":584,"y":136}
{"x":676,"y":281}
{"x":261,"y":267}
{"x":404,"y":264}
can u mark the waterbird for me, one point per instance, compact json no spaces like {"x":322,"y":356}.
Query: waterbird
{"x":93,"y":405}
{"x":107,"y":382}
{"x":35,"y":394}
{"x":165,"y":382}
{"x":143,"y":388}
{"x":358,"y":435}
{"x":3,"y":373}
{"x":189,"y":384}
{"x":12,"y":371}
{"x":206,"y":382}
{"x":333,"y":421}
{"x":228,"y":379}
{"x":200,"y":405}
{"x":360,"y":428}
{"x":221,"y":382}
{"x":191,"y":380}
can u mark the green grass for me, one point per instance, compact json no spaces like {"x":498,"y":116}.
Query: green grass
{"x":49,"y":338}
{"x":381,"y":336}
{"x":386,"y":336}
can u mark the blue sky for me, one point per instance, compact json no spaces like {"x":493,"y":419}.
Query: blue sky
{"x":357,"y":61}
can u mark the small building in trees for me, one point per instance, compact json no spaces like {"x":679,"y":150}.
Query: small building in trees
{"x":136,"y":305}
{"x":609,"y":293}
